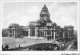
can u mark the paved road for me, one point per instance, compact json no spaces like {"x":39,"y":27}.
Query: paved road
{"x":15,"y":42}
{"x":69,"y":44}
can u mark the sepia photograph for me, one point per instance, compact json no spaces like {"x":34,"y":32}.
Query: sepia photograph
{"x":39,"y":26}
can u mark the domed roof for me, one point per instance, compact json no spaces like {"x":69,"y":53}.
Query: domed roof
{"x":45,"y":8}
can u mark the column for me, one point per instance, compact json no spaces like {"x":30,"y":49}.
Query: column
{"x":51,"y":33}
{"x":68,"y":34}
{"x":54,"y":35}
{"x":36,"y":32}
{"x":44,"y":33}
{"x":29,"y":32}
{"x":63,"y":34}
{"x":14,"y":33}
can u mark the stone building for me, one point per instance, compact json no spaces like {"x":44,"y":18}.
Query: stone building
{"x":42,"y":28}
{"x":15,"y":30}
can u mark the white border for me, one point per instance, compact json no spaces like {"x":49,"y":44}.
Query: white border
{"x":40,"y":52}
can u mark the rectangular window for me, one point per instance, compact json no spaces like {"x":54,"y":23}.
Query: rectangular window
{"x":48,"y":32}
{"x":10,"y":31}
{"x":32,"y":32}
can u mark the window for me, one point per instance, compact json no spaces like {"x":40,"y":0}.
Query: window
{"x":48,"y":32}
{"x":32,"y":32}
{"x":10,"y":31}
{"x":25,"y":33}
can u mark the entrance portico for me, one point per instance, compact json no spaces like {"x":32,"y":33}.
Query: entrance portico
{"x":50,"y":34}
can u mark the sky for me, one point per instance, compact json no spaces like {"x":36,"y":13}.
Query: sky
{"x":63,"y":13}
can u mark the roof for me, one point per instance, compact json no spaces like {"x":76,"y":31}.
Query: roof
{"x":69,"y":26}
{"x":44,"y":8}
{"x":49,"y":24}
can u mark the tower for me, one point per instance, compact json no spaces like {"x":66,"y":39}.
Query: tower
{"x":44,"y":14}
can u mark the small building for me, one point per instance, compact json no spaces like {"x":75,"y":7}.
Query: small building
{"x":69,"y":31}
{"x":15,"y":30}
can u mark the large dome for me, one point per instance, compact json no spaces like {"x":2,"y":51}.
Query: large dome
{"x":45,"y":8}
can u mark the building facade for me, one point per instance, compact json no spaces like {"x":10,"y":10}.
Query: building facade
{"x":42,"y":28}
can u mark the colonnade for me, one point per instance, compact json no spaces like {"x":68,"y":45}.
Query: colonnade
{"x":44,"y":34}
